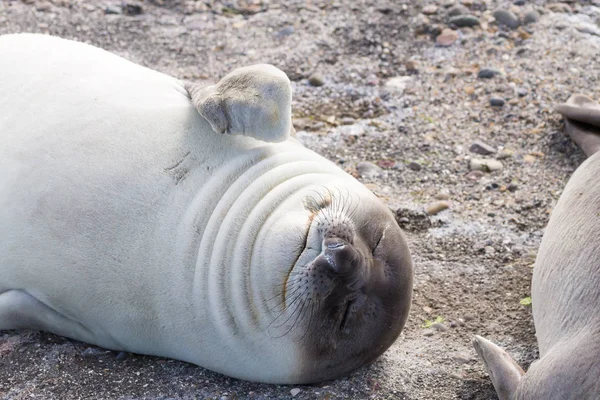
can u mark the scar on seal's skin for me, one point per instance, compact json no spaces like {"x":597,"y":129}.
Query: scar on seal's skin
{"x":177,"y":171}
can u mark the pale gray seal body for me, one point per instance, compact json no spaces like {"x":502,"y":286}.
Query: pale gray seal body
{"x":565,"y":286}
{"x":127,"y":222}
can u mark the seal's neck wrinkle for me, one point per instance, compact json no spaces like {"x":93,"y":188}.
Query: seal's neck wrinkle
{"x":227,"y":270}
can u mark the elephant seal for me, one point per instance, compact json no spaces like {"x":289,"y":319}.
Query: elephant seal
{"x":126,"y":221}
{"x":565,"y":286}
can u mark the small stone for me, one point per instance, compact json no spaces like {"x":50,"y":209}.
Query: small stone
{"x":367,"y":169}
{"x":470,"y":90}
{"x":529,"y":159}
{"x":482,"y":148}
{"x":43,"y":6}
{"x":438,"y":326}
{"x":497,"y":102}
{"x":437,"y":207}
{"x":427,"y":309}
{"x":485,"y":165}
{"x":505,"y":153}
{"x":505,"y":17}
{"x":487,"y":73}
{"x":295,"y":391}
{"x":447,"y":38}
{"x":463,"y":21}
{"x":411,"y":66}
{"x":398,"y":83}
{"x":560,"y":8}
{"x":489,"y":250}
{"x":122,"y":356}
{"x":112,"y":10}
{"x":430,"y":9}
{"x":316,"y":79}
{"x":414,"y":166}
{"x":522,"y":92}
{"x":589,"y":29}
{"x":422,"y":24}
{"x":443,"y":195}
{"x":428,"y":332}
{"x":474,"y":175}
{"x":457,"y":10}
{"x":132,"y":9}
{"x":530,"y":16}
{"x":519,"y":2}
{"x":91,"y":352}
{"x":512,"y":187}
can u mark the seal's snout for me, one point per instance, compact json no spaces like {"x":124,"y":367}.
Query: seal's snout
{"x":340,"y":257}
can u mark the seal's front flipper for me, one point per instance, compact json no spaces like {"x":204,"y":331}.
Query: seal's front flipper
{"x":504,"y":372}
{"x":582,"y":122}
{"x":253,"y":101}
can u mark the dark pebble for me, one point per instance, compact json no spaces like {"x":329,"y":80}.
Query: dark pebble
{"x":487,"y":73}
{"x":132,"y":9}
{"x":497,"y":102}
{"x":414,"y":166}
{"x":122,"y":356}
{"x":458,"y":10}
{"x":522,"y":92}
{"x":464,"y":21}
{"x":507,"y":18}
{"x":512,"y":188}
{"x":482,"y":148}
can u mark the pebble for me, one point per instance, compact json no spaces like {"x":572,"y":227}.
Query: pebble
{"x":497,"y":102}
{"x":437,"y":207}
{"x":466,"y":20}
{"x":295,"y":391}
{"x":447,"y":38}
{"x":487,"y":73}
{"x":560,"y":8}
{"x":91,"y":352}
{"x":588,"y":28}
{"x":112,"y":10}
{"x":444,"y":194}
{"x":458,"y":10}
{"x":414,"y":166}
{"x":428,"y":332}
{"x":530,"y":16}
{"x":132,"y":9}
{"x":438,"y":326}
{"x":505,"y":153}
{"x":398,"y":83}
{"x":482,"y":148}
{"x":411,"y":66}
{"x":485,"y":165}
{"x":316,"y":79}
{"x":522,"y":92}
{"x":430,"y":9}
{"x":512,"y":187}
{"x":122,"y":356}
{"x":489,"y":250}
{"x":367,"y":169}
{"x":505,"y":17}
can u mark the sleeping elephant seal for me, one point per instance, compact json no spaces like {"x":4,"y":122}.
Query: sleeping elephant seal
{"x":127,"y":220}
{"x":565,"y":286}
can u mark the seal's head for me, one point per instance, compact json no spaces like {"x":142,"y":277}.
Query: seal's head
{"x":347,"y":295}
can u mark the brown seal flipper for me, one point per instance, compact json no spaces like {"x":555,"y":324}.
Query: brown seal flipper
{"x":582,"y":122}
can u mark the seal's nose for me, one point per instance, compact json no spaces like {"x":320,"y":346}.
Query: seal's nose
{"x":340,"y":257}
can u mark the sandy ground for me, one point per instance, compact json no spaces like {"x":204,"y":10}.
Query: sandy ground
{"x":473,"y":261}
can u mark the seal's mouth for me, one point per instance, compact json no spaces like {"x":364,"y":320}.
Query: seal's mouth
{"x":348,"y":309}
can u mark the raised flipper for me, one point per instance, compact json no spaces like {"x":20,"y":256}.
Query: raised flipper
{"x":253,"y":101}
{"x":582,"y":122}
{"x":504,"y":372}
